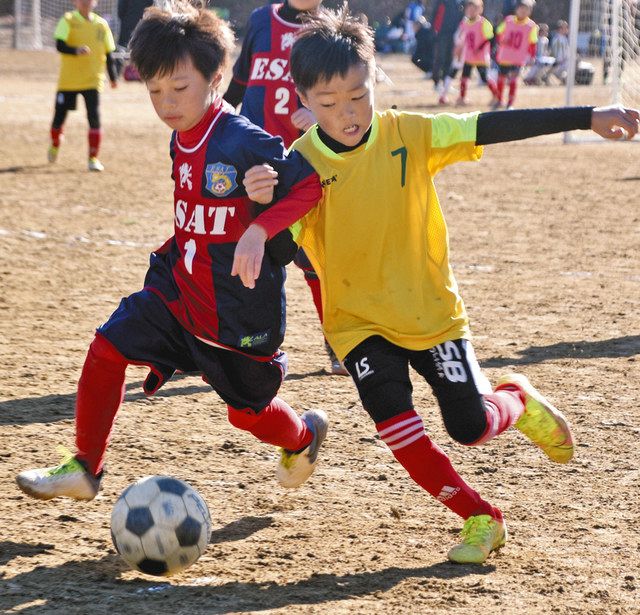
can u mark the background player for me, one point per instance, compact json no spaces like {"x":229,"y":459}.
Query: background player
{"x":397,"y":303}
{"x":474,"y":35}
{"x":517,"y":37}
{"x":192,"y":315}
{"x":262,"y":83}
{"x":85,"y":43}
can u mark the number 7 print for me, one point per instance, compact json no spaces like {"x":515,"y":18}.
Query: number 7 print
{"x":403,"y":161}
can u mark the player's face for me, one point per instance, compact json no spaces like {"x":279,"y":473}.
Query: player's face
{"x":523,"y":11}
{"x":182,"y":97}
{"x":305,"y":5}
{"x":84,"y":7}
{"x":472,"y":11}
{"x":343,"y":106}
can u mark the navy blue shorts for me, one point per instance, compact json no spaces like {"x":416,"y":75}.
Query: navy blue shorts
{"x":145,"y":332}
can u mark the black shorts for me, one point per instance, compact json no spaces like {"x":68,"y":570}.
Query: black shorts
{"x":380,"y":371}
{"x":67,"y":99}
{"x":509,"y":70}
{"x":468,"y":68}
{"x":146,"y":333}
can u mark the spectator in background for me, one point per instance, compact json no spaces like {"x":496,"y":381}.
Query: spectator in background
{"x":413,"y":12}
{"x":445,"y":20}
{"x":129,"y":13}
{"x":560,"y":51}
{"x":381,"y":32}
{"x":544,"y":62}
{"x":423,"y":53}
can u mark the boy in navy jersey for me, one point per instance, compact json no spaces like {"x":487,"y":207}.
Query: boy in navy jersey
{"x":262,"y":83}
{"x":193,"y":313}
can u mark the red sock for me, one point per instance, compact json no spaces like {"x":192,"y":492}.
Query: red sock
{"x":500,"y":87}
{"x":95,"y":135}
{"x":463,"y":87}
{"x":493,"y":87}
{"x":429,"y":466}
{"x":513,"y":86}
{"x":276,"y":424}
{"x":56,"y":136}
{"x":100,"y":393}
{"x":504,"y":407}
{"x":314,"y":285}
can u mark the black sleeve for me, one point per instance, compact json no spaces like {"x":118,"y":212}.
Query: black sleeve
{"x":112,"y":69}
{"x":62,"y":47}
{"x":235,"y":93}
{"x":502,"y":126}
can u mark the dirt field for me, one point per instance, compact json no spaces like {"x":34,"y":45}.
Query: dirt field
{"x":545,"y":241}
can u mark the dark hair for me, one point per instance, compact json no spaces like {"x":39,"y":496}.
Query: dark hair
{"x":330,"y":43}
{"x":166,"y":37}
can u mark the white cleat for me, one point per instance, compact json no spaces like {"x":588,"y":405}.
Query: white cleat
{"x":294,"y":468}
{"x":95,"y":165}
{"x":70,"y":479}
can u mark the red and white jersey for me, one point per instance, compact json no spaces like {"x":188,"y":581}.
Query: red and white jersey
{"x":474,"y":36}
{"x":516,"y":41}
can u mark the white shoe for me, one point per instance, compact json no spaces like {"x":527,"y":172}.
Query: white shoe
{"x":294,"y":468}
{"x":95,"y":164}
{"x":69,"y":479}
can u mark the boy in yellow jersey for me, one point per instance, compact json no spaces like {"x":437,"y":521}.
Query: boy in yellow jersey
{"x":85,"y":43}
{"x":379,"y":243}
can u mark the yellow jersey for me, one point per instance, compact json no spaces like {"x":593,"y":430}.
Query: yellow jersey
{"x":83,"y":72}
{"x":378,"y":240}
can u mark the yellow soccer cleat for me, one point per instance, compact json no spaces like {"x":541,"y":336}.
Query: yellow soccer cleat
{"x":481,"y":534}
{"x":545,"y":426}
{"x":52,"y":153}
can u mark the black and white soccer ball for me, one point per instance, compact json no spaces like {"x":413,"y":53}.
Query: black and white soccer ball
{"x":160,"y":525}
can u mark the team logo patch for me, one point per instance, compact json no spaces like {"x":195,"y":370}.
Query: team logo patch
{"x":221,"y":179}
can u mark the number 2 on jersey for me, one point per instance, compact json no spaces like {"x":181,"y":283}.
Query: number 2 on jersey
{"x":282,"y":98}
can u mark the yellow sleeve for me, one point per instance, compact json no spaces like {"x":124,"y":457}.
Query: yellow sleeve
{"x":501,"y":27}
{"x":453,"y":139}
{"x":487,"y":29}
{"x":109,"y":43}
{"x":62,"y":30}
{"x":533,"y":35}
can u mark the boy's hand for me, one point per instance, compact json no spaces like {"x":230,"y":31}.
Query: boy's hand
{"x":247,"y":259}
{"x":83,"y":50}
{"x":259,"y":182}
{"x":615,"y":122}
{"x":303,"y":119}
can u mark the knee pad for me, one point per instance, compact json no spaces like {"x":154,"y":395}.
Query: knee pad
{"x":242,"y":418}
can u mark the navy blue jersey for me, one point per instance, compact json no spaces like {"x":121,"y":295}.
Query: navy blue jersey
{"x":192,"y":271}
{"x":263,"y":67}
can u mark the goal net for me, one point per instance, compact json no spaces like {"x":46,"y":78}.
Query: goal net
{"x":35,"y":20}
{"x":604,"y":41}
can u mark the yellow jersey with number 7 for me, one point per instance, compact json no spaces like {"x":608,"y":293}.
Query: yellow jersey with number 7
{"x":378,"y":240}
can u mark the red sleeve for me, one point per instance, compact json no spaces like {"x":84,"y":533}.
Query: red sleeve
{"x":300,"y":200}
{"x":532,"y":50}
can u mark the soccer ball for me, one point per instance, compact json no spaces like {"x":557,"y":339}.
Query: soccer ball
{"x":160,"y":525}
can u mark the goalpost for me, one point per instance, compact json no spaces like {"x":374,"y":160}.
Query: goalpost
{"x":606,"y":35}
{"x":35,"y":20}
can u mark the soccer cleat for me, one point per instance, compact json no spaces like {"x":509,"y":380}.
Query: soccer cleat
{"x":461,"y":102}
{"x":480,"y":535}
{"x":95,"y":164}
{"x":52,"y":153}
{"x":294,"y":468}
{"x":69,"y":479}
{"x":337,"y":366}
{"x":545,"y":426}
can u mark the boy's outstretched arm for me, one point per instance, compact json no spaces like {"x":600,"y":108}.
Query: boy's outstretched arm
{"x":612,"y":122}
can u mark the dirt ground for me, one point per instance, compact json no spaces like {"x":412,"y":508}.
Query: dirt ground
{"x":545,"y":241}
